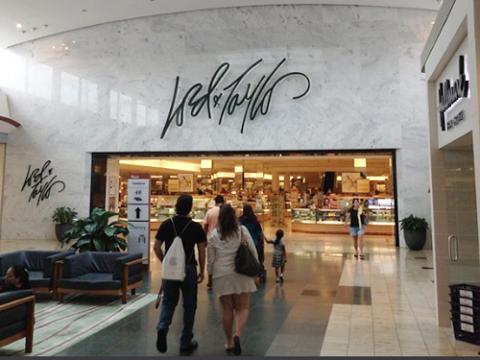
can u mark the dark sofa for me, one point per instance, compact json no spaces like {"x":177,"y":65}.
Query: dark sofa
{"x":17,"y":317}
{"x":100,"y":273}
{"x":40,"y":265}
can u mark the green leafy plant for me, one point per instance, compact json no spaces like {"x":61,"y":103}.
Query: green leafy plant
{"x":64,"y":215}
{"x":98,"y":233}
{"x":413,"y":224}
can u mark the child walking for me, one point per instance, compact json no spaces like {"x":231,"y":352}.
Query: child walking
{"x":279,"y":255}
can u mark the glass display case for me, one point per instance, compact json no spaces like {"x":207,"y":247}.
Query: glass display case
{"x":380,"y":212}
{"x":163,"y":207}
{"x":305,"y":216}
{"x":332,"y":216}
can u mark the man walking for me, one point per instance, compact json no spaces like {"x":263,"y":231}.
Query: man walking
{"x":192,"y":234}
{"x":210,"y":223}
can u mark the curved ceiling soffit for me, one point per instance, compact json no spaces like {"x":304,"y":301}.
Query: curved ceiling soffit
{"x":42,"y":19}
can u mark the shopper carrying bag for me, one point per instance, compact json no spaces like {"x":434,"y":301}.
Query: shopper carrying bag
{"x":232,"y":261}
{"x":180,"y":272}
{"x":245,"y":261}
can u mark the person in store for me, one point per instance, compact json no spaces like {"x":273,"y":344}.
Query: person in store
{"x":250,"y":221}
{"x":16,"y":278}
{"x":358,"y":220}
{"x":210,"y":223}
{"x":230,"y":287}
{"x":192,"y":234}
{"x":279,"y":255}
{"x":332,"y":200}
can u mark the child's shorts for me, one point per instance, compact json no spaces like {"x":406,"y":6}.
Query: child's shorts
{"x":278,"y":260}
{"x":356,"y":231}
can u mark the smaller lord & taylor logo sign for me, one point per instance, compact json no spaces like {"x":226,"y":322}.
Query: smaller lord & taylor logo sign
{"x":255,"y":97}
{"x":449,"y":94}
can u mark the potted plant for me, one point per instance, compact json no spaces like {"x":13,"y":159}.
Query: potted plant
{"x":98,"y":232}
{"x":63,"y":218}
{"x":415,"y":232}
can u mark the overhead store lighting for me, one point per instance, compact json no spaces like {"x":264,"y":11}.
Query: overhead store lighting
{"x":258,"y":175}
{"x":164,"y":164}
{"x":377,"y":178}
{"x":360,"y":163}
{"x":238,"y":169}
{"x":205,"y":164}
{"x":282,"y":178}
{"x":225,"y":175}
{"x":267,"y":177}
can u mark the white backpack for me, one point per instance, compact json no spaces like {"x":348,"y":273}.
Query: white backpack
{"x":173,"y":265}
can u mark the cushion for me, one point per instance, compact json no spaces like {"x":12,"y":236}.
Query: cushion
{"x":91,"y":281}
{"x":79,"y":264}
{"x":37,"y":279}
{"x":13,"y":315}
{"x":34,"y":260}
{"x":105,"y":261}
{"x":12,"y":329}
{"x":10,"y":259}
{"x":16,"y":314}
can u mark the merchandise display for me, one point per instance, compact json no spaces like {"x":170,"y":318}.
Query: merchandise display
{"x":380,"y":212}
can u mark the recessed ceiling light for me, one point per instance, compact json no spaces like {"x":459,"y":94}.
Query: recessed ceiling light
{"x":19,"y":26}
{"x":433,"y":22}
{"x":54,"y":47}
{"x":74,"y":42}
{"x":67,"y":48}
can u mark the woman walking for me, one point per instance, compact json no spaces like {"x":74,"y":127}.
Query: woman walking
{"x":250,"y":221}
{"x":231,"y":287}
{"x":357,"y":227}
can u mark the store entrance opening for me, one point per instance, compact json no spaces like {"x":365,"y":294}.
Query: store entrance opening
{"x":307,"y":195}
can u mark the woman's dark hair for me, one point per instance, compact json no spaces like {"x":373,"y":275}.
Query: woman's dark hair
{"x":22,"y":275}
{"x":227,"y":221}
{"x":249,"y":214}
{"x":219,"y":199}
{"x":356,"y":199}
{"x":278,"y":236}
{"x":184,"y":204}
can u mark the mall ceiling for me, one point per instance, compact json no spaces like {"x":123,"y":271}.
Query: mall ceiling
{"x":25,"y":20}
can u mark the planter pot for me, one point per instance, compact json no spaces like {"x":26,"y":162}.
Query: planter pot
{"x":415,"y":239}
{"x":61,"y":229}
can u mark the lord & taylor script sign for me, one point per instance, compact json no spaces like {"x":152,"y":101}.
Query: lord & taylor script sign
{"x":253,"y":98}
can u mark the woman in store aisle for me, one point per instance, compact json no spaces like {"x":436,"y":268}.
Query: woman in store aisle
{"x":232,"y":288}
{"x":358,"y":220}
{"x":250,"y":221}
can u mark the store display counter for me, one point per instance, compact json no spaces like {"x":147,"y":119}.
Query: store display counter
{"x":332,"y":221}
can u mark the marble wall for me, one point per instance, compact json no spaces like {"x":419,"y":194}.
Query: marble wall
{"x":111,"y":91}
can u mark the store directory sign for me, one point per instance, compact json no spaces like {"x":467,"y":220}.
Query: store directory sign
{"x":138,"y":210}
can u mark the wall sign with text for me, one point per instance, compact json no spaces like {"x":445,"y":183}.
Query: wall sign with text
{"x":253,"y":97}
{"x":138,"y":210}
{"x":41,"y":182}
{"x":449,"y":93}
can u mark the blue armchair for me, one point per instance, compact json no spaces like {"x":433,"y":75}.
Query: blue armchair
{"x":100,"y":273}
{"x":40,"y":265}
{"x":17,"y":317}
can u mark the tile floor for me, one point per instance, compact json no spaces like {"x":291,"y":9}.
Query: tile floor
{"x":331,"y":304}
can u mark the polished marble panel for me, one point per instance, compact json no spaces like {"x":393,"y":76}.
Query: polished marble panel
{"x":111,"y":91}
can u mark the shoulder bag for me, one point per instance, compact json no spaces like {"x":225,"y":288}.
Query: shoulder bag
{"x":245,"y":262}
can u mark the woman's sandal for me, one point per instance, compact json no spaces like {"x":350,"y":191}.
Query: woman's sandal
{"x":356,"y":255}
{"x":362,"y":257}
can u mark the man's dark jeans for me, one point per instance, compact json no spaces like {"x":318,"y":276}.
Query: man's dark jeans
{"x":171,"y":293}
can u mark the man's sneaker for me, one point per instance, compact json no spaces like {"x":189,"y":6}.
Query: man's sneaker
{"x":162,"y":341}
{"x":281,"y":278}
{"x":188,"y":348}
{"x":278,"y":280}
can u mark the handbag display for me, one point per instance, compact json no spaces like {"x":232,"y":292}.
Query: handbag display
{"x":245,"y":262}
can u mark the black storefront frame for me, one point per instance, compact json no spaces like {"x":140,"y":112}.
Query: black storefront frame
{"x":99,"y":159}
